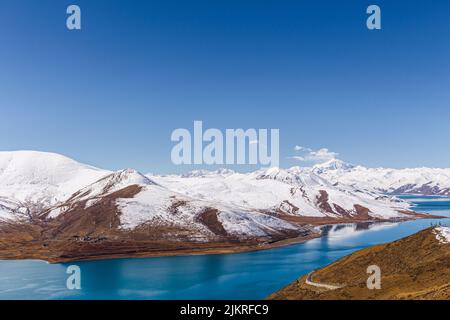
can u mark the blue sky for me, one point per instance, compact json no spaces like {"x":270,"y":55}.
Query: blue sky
{"x":111,"y":94}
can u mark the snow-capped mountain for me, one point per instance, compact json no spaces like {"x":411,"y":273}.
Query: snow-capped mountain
{"x":31,"y":181}
{"x":101,"y":188}
{"x":31,"y":177}
{"x":332,"y":165}
{"x":78,"y":210}
{"x":295,"y":192}
{"x":86,"y":200}
{"x":133,"y":201}
{"x":205,"y":173}
{"x":49,"y":185}
{"x":424,"y":181}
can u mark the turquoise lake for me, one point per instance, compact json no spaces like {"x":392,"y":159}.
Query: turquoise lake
{"x":252,"y":275}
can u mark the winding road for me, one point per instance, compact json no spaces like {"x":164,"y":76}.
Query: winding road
{"x":319,"y":285}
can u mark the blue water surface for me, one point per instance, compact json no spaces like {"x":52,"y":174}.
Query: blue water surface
{"x":252,"y":275}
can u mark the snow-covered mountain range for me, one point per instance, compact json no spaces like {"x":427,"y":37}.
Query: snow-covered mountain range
{"x":421,"y":181}
{"x":69,"y":199}
{"x":294,"y":192}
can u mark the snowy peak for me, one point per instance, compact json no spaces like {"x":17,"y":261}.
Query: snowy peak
{"x":42,"y":177}
{"x":113,"y":182}
{"x":206,"y":173}
{"x":294,"y":176}
{"x":424,"y":181}
{"x":332,"y":165}
{"x":92,"y":194}
{"x":297,"y":192}
{"x":33,"y":167}
{"x":127,"y":177}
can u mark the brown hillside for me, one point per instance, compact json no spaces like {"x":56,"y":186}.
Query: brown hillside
{"x":415,"y":267}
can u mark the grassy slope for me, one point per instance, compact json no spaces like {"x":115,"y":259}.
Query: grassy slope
{"x":415,"y":267}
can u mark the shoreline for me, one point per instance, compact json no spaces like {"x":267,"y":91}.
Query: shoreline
{"x":226,"y":248}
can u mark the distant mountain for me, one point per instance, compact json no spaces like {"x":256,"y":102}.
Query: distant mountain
{"x":207,"y":173}
{"x":415,"y":267}
{"x":75,"y":211}
{"x":421,"y":181}
{"x":332,"y":165}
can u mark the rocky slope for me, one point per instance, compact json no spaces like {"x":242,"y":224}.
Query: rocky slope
{"x":415,"y":267}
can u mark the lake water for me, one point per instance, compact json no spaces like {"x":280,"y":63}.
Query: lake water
{"x":252,"y":275}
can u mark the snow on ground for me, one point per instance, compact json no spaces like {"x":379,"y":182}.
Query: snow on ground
{"x":238,"y":190}
{"x":233,"y":190}
{"x":269,"y":189}
{"x":160,"y":206}
{"x":442,"y":234}
{"x":114,"y":182}
{"x":106,"y":185}
{"x":154,"y":204}
{"x":6,"y":210}
{"x":252,"y":223}
{"x":40,"y":177}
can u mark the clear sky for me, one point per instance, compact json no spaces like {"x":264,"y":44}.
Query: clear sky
{"x":111,"y":94}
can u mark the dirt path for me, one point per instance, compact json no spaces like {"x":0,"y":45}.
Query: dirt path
{"x":319,"y":285}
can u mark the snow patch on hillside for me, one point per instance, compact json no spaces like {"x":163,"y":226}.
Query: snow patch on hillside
{"x":252,"y":223}
{"x":442,"y":234}
{"x":153,"y":205}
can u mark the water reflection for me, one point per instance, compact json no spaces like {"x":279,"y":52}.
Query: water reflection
{"x":352,"y":229}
